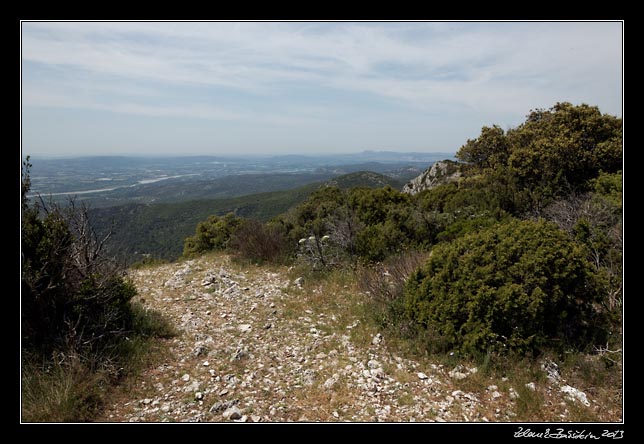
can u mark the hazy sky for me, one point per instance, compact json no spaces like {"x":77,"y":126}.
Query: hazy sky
{"x":301,"y":87}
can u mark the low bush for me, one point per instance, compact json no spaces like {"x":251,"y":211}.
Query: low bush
{"x":257,"y":242}
{"x":384,"y":285}
{"x":73,"y":385}
{"x":212,"y":234}
{"x":518,"y":286}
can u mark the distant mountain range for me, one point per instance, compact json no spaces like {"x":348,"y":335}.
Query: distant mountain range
{"x":115,"y":180}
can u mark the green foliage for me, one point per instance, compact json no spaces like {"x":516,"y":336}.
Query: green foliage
{"x":552,"y":152}
{"x":212,"y":234}
{"x":594,"y":221}
{"x":310,"y":216}
{"x":609,"y":186}
{"x":71,"y":295}
{"x":45,"y":246}
{"x":386,"y":215}
{"x":60,"y":302}
{"x":360,"y":223}
{"x":519,"y":286}
{"x":328,"y":211}
{"x":159,"y":230}
{"x":489,"y":150}
{"x":384,"y":286}
{"x":465,"y":224}
{"x":102,"y":308}
{"x":453,"y":210}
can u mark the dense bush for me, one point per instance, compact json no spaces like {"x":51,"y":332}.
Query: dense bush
{"x":72,"y":296}
{"x":522,"y":286}
{"x":212,"y":234}
{"x":257,"y":242}
{"x":609,"y":186}
{"x":594,"y":220}
{"x":360,"y":224}
{"x":553,"y":152}
{"x":384,"y":286}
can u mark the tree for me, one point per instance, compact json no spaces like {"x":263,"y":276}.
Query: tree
{"x":489,"y":150}
{"x":552,"y":153}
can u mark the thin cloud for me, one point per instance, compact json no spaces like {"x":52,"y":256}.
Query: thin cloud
{"x":260,"y":57}
{"x":265,"y":72}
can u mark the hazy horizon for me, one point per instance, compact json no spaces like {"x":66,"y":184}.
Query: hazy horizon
{"x":241,"y":156}
{"x":166,"y":89}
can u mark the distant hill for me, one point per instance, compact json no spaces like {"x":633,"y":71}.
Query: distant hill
{"x":159,"y":229}
{"x":365,"y":179}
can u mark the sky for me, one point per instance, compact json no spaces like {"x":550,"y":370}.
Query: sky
{"x":226,"y":88}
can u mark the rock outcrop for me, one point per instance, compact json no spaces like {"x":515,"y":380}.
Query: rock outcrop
{"x":441,"y":172}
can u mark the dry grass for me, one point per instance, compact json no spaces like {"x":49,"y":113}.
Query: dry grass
{"x":63,"y":391}
{"x":73,"y":387}
{"x":601,"y":380}
{"x":319,"y":404}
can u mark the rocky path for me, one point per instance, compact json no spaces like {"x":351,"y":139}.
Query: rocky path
{"x":255,"y":346}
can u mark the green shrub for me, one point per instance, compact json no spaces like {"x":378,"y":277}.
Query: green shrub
{"x":594,"y":220}
{"x":360,"y":223}
{"x":46,"y":243}
{"x":376,"y":242}
{"x":212,"y":234}
{"x":518,"y":286}
{"x":79,"y":330}
{"x":102,"y":308}
{"x":610,"y":187}
{"x":465,"y":225}
{"x":384,"y":285}
{"x":72,"y":296}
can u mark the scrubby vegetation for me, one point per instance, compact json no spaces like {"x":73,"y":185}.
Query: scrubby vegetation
{"x":78,"y":323}
{"x":525,"y":247}
{"x":212,"y":234}
{"x":156,"y":230}
{"x":519,"y":286}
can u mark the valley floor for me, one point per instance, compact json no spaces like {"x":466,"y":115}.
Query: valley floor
{"x":256,"y":345}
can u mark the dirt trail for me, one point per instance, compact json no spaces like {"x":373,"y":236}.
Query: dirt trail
{"x":254,"y":348}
